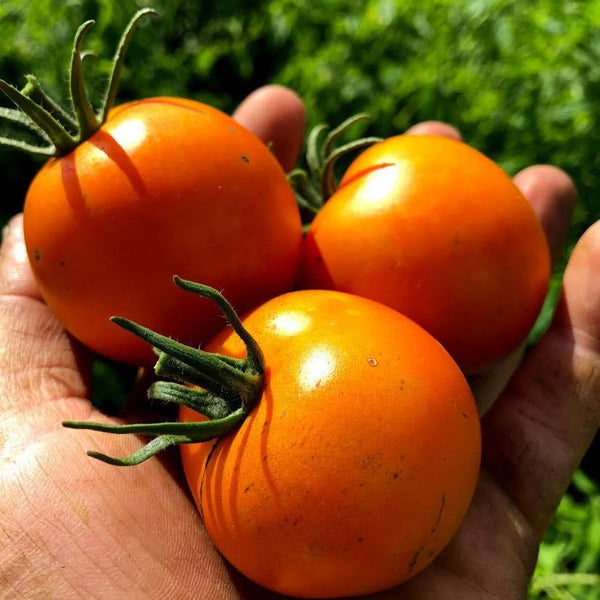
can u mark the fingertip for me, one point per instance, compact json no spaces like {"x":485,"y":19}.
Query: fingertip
{"x":579,"y":309}
{"x":435,"y":128}
{"x":276,"y":114}
{"x":552,"y":195}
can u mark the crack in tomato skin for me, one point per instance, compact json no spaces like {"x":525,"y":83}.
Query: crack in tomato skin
{"x":367,"y":171}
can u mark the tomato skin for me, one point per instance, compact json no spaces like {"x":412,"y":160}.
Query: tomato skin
{"x":167,"y":186}
{"x":359,"y":461}
{"x":434,"y":229}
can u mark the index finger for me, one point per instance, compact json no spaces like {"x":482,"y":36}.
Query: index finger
{"x":276,"y":115}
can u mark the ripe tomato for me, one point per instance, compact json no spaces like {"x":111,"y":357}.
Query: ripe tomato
{"x":165,"y":186}
{"x":358,"y":462}
{"x":434,"y":229}
{"x":135,"y":194}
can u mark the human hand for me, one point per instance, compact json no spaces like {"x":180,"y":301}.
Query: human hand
{"x":538,"y":429}
{"x":72,"y":527}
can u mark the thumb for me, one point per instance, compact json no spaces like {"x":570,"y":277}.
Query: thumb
{"x":16,"y":277}
{"x":39,"y":362}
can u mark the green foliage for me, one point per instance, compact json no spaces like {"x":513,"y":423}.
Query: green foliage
{"x":569,"y":559}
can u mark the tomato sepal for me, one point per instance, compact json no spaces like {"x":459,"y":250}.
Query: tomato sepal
{"x":166,"y":434}
{"x":315,"y":185}
{"x":48,"y":119}
{"x":229,"y":387}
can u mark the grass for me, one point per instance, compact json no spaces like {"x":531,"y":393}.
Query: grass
{"x":569,"y":558}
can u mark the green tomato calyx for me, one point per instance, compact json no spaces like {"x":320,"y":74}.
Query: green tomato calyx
{"x":222,"y":388}
{"x":315,"y":185}
{"x":60,"y":130}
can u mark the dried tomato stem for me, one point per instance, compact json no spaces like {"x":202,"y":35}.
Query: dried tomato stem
{"x":231,"y":386}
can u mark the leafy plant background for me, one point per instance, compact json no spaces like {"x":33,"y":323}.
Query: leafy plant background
{"x":520,"y":80}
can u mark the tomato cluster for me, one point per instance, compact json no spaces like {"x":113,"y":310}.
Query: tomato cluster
{"x":332,"y":432}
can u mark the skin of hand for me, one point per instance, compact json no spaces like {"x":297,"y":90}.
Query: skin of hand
{"x":72,"y":527}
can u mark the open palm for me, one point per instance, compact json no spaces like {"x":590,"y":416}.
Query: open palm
{"x":72,"y":527}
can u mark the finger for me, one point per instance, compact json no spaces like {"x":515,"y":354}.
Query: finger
{"x":539,"y":430}
{"x":435,"y":128}
{"x":552,"y":195}
{"x":16,"y":277}
{"x":277,"y":116}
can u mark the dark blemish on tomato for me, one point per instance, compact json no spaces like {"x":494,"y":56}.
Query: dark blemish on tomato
{"x":439,"y":515}
{"x":396,"y":475}
{"x":265,"y":423}
{"x":372,"y":362}
{"x":245,"y":158}
{"x":415,"y":558}
{"x":36,"y":254}
{"x":62,"y":263}
{"x":360,"y":538}
{"x":401,"y":384}
{"x":464,"y":414}
{"x":372,"y":462}
{"x":248,"y":488}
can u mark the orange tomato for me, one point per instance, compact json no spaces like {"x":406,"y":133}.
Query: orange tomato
{"x":437,"y":231}
{"x":165,"y":186}
{"x":359,"y":460}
